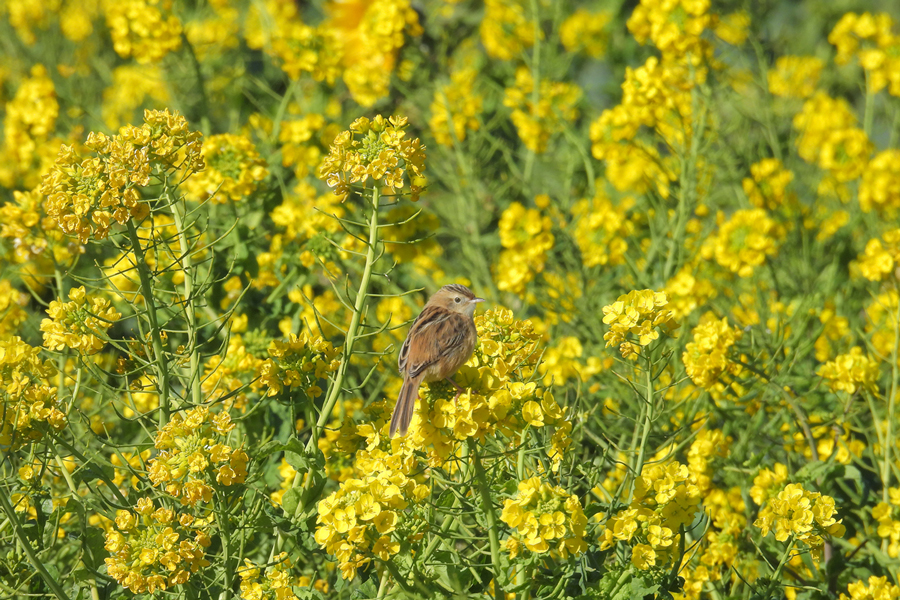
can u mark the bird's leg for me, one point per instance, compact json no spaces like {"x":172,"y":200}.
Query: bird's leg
{"x":459,"y":390}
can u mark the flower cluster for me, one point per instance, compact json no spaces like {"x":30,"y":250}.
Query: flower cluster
{"x":675,"y":27}
{"x":795,"y":76}
{"x":28,"y":127}
{"x":706,"y":357}
{"x":768,"y":186}
{"x":233,"y":170}
{"x":585,"y":31}
{"x":526,"y":237}
{"x":455,"y":108}
{"x":666,"y":498}
{"x":879,"y":189}
{"x":507,"y":29}
{"x":155,"y":548}
{"x":602,"y":229}
{"x":35,"y":240}
{"x":641,"y":313}
{"x":545,"y":517}
{"x":140,"y":29}
{"x":888,"y":526}
{"x":868,"y":38}
{"x":378,"y":149}
{"x":28,"y":402}
{"x":11,"y":312}
{"x":879,"y":588}
{"x":79,"y":324}
{"x":744,"y":241}
{"x":795,"y":512}
{"x":86,"y":195}
{"x":830,"y":138}
{"x":536,"y":119}
{"x":273,"y":583}
{"x":192,"y":454}
{"x":300,"y":361}
{"x":356,"y":523}
{"x":850,"y":372}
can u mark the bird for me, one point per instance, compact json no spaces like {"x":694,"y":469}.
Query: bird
{"x":439,"y":342}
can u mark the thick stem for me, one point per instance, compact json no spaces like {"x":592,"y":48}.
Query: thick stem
{"x":487,"y":507}
{"x":334,"y":391}
{"x":29,"y":551}
{"x":187,"y":267}
{"x":648,"y":420}
{"x":159,"y":356}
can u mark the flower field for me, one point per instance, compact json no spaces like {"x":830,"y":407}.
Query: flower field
{"x":219,"y":218}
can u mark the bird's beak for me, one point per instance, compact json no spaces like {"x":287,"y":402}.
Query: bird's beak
{"x":476,"y":300}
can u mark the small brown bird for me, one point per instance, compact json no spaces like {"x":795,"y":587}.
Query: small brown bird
{"x":440,"y":341}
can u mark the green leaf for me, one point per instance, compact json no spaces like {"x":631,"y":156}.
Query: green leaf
{"x":365,"y":590}
{"x":291,"y":500}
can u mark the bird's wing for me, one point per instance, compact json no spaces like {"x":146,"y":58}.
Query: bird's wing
{"x":435,"y":334}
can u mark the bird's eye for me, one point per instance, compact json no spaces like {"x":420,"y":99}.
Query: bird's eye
{"x":457,"y":299}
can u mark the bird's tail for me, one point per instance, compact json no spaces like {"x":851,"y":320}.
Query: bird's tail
{"x":406,"y":404}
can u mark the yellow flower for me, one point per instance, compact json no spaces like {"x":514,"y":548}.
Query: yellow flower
{"x":455,"y":108}
{"x":376,"y":149}
{"x":141,"y":30}
{"x":538,"y":117}
{"x":79,"y":323}
{"x":584,"y":31}
{"x":878,"y":588}
{"x":506,"y":30}
{"x":851,"y":371}
{"x":233,"y":170}
{"x":795,"y":76}
{"x":744,"y":241}
{"x":797,"y":512}
{"x":545,"y":518}
{"x":706,"y":356}
{"x":641,"y":313}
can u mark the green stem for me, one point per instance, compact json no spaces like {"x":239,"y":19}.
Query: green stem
{"x":773,"y":581}
{"x":889,"y":431}
{"x":648,"y":420}
{"x":187,"y":266}
{"x":335,"y":391}
{"x":487,"y":506}
{"x":159,"y":359}
{"x":29,"y":551}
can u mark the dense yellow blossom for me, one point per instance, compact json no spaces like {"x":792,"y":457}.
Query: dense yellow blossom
{"x":828,"y":136}
{"x":851,"y":371}
{"x":585,"y":31}
{"x":456,"y":108}
{"x":140,"y":29}
{"x":878,"y":588}
{"x":378,"y":149}
{"x":193,"y":456}
{"x":795,"y":76}
{"x":28,"y":402}
{"x":768,"y":186}
{"x":640,"y":313}
{"x":273,"y":582}
{"x":357,"y":523}
{"x":545,"y":517}
{"x":506,"y":29}
{"x":87,"y":195}
{"x":542,"y":109}
{"x":79,"y":323}
{"x":526,"y":237}
{"x":744,"y":241}
{"x":153,"y":549}
{"x":301,"y":361}
{"x":795,"y":512}
{"x":884,"y":514}
{"x":879,"y":189}
{"x":602,"y":229}
{"x":706,"y":358}
{"x":233,"y":170}
{"x":869,"y":39}
{"x":666,"y":498}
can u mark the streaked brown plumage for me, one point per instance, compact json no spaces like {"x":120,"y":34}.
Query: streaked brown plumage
{"x":440,"y":341}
